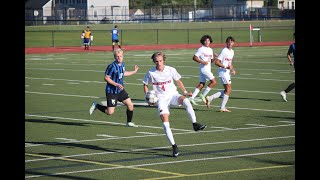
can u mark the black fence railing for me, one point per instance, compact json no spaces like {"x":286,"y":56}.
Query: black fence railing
{"x":107,"y":15}
{"x":59,"y":38}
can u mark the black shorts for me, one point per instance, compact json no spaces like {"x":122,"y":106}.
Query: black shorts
{"x":112,"y":99}
{"x":115,"y":40}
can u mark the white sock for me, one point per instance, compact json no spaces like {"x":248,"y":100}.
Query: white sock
{"x":195,"y":93}
{"x":190,"y":111}
{"x":206,"y":91}
{"x":167,"y":130}
{"x":216,"y":95}
{"x":224,"y":101}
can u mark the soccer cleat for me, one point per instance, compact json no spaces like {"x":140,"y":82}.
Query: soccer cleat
{"x":131,"y":124}
{"x":175,"y":151}
{"x":208,"y":101}
{"x":192,"y":101}
{"x":224,"y":110}
{"x":197,"y":126}
{"x":92,"y":108}
{"x":284,"y":95}
{"x":202,"y":98}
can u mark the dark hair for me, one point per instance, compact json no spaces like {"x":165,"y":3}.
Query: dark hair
{"x":230,"y":38}
{"x":115,"y":26}
{"x":203,"y":38}
{"x":154,"y":55}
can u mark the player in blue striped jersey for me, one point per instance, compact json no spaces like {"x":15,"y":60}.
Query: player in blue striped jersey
{"x":114,"y":75}
{"x":291,"y":50}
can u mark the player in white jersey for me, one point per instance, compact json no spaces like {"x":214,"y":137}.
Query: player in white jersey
{"x":162,"y":78}
{"x":224,"y":62}
{"x":204,"y":56}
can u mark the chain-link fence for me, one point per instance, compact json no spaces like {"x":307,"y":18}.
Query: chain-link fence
{"x":122,"y":14}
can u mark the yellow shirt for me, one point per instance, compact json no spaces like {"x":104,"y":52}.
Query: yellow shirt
{"x":87,"y":34}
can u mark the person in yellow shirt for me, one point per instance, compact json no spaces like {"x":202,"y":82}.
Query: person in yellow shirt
{"x":86,"y":34}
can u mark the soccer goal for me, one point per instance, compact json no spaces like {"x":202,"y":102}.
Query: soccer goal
{"x":252,"y":32}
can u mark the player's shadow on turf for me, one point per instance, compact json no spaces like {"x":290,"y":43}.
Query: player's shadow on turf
{"x":250,"y":98}
{"x":28,"y":172}
{"x":79,"y":111}
{"x":237,"y":150}
{"x":278,"y":117}
{"x":53,"y":121}
{"x":261,"y":160}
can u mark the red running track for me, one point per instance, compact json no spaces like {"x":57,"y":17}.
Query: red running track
{"x":48,"y":50}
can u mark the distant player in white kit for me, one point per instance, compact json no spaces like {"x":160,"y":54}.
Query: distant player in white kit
{"x":224,"y":62}
{"x":162,"y":78}
{"x":204,"y":56}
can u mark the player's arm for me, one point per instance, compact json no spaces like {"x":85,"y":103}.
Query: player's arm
{"x":219,"y":64}
{"x":196,"y":59}
{"x":215,"y":57}
{"x":145,"y":88}
{"x":110,"y":81}
{"x":233,"y":71}
{"x":183,"y":89}
{"x":129,"y":73}
{"x":289,"y":57}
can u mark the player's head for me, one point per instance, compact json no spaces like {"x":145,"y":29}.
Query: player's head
{"x":294,"y":35}
{"x":230,"y":41}
{"x":115,"y":26}
{"x":118,"y":54}
{"x":203,"y":38}
{"x":156,"y":54}
{"x":230,"y":38}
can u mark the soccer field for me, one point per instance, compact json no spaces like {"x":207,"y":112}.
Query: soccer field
{"x":62,"y":141}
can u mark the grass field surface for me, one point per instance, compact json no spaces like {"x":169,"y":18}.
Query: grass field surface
{"x":62,"y":141}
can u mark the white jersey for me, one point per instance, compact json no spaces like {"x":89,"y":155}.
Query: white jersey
{"x":225,"y":57}
{"x":205,"y":54}
{"x":162,"y":82}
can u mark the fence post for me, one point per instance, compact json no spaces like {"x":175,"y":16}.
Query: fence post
{"x":221,"y":36}
{"x":188,"y":35}
{"x":52,"y":38}
{"x":157,"y":36}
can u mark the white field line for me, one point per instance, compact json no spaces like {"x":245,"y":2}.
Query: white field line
{"x":151,"y":65}
{"x":96,"y":97}
{"x":139,"y":84}
{"x":154,"y":127}
{"x":163,"y":147}
{"x":162,"y":163}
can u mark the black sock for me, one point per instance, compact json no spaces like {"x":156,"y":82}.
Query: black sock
{"x":129,"y":115}
{"x":112,"y":48}
{"x":101,"y":108}
{"x":290,"y":87}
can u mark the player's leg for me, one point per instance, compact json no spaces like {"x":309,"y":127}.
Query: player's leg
{"x":227,"y":92}
{"x":125,"y":99}
{"x":211,"y":84}
{"x":178,"y":100}
{"x":163,"y":109}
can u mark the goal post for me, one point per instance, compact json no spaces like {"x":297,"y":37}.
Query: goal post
{"x":251,"y":34}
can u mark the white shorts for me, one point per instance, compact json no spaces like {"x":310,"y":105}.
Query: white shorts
{"x":225,"y":78}
{"x":165,"y":102}
{"x":205,"y":76}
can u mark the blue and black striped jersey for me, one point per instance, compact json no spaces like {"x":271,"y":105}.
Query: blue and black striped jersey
{"x":116,"y":73}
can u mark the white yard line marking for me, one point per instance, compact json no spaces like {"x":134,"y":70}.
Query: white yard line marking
{"x":162,"y":163}
{"x":148,"y":133}
{"x":261,"y":125}
{"x":106,"y":135}
{"x":48,"y":84}
{"x":131,"y":137}
{"x":66,"y":139}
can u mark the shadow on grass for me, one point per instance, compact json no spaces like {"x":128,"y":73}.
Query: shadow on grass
{"x":56,"y":176}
